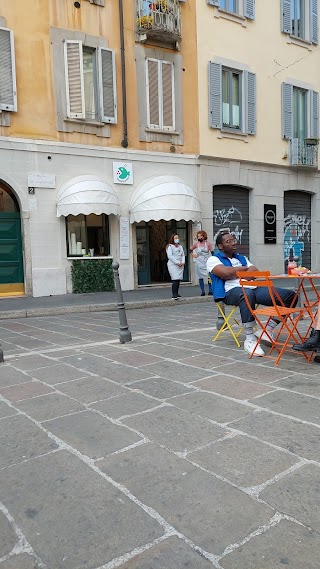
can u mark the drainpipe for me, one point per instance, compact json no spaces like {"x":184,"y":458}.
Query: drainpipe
{"x":124,"y":141}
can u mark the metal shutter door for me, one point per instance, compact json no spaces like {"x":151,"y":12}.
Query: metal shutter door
{"x":297,"y":226}
{"x":231,"y":209}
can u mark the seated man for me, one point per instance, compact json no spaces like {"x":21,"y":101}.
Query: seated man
{"x":223,"y":267}
{"x":312,"y":344}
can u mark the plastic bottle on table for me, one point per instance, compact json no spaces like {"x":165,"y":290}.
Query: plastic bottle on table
{"x":291,"y":263}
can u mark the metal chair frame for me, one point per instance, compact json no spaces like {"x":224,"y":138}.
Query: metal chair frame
{"x":227,"y":325}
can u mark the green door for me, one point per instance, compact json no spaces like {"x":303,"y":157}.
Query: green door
{"x":143,"y":254}
{"x":11,"y":262}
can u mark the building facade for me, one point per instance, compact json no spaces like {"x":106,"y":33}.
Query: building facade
{"x":98,"y":138}
{"x":259,"y":126}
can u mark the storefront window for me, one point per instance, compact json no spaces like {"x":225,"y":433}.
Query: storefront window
{"x":88,"y":235}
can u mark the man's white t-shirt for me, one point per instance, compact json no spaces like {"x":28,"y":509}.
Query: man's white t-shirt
{"x":232,"y":283}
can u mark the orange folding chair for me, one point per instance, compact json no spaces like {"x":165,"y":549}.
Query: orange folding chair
{"x":288,"y":317}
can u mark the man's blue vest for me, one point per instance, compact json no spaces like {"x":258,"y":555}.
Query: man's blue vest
{"x":217,"y":283}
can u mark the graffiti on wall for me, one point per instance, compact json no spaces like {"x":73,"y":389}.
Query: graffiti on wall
{"x":297,"y":230}
{"x":228,"y":218}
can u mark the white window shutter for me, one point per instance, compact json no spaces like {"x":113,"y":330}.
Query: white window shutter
{"x":153,"y":99}
{"x":314,"y":131}
{"x":314,"y":28}
{"x":249,"y":9}
{"x":168,"y":103}
{"x":287,"y":114}
{"x":8,"y":88}
{"x":286,"y":21}
{"x":215,"y":95}
{"x":250,"y":80}
{"x":107,"y":85}
{"x":74,"y":79}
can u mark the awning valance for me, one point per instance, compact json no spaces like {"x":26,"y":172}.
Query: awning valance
{"x":164,"y":197}
{"x":87,"y":194}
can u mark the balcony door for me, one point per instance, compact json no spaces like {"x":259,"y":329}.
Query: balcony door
{"x":300,"y":121}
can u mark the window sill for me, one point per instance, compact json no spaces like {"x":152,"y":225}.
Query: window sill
{"x":85,"y":258}
{"x":233,"y":134}
{"x":237,"y":18}
{"x":160,"y":131}
{"x":86,"y":122}
{"x":299,"y":41}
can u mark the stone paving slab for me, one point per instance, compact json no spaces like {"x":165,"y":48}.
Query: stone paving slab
{"x":176,"y":429}
{"x":24,"y":391}
{"x":20,"y":440}
{"x":86,"y":532}
{"x":256,"y":372}
{"x":23,"y":561}
{"x":8,"y":538}
{"x":193,"y":501}
{"x":134,"y":358}
{"x":6,"y":410}
{"x":108,"y":369}
{"x":49,"y":406}
{"x":232,"y":387}
{"x":92,"y":434}
{"x":172,"y":553}
{"x":243,"y":461}
{"x":298,"y":495}
{"x":284,"y":545}
{"x":212,"y":406}
{"x":174,"y":370}
{"x":166,"y":351}
{"x":31,"y":362}
{"x":160,"y":387}
{"x":126,"y":404}
{"x":301,"y":384}
{"x":294,"y":404}
{"x":296,"y":437}
{"x":90,"y":389}
{"x":57,"y":373}
{"x":11,"y":376}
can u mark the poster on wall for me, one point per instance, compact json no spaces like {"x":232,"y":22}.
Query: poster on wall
{"x":124,"y":238}
{"x":122,"y":173}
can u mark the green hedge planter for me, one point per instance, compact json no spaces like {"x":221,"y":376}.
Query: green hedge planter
{"x":92,"y":276}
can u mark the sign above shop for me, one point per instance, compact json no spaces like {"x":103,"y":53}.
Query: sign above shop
{"x":37,"y":180}
{"x":122,"y":173}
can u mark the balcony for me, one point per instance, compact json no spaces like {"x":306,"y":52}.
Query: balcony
{"x":159,"y":20}
{"x":304,"y":153}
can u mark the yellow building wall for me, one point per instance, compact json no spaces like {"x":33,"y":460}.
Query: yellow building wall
{"x":265,"y":49}
{"x":36,"y":117}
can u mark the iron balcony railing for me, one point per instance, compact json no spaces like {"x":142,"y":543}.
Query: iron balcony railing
{"x":304,"y":153}
{"x":159,"y":20}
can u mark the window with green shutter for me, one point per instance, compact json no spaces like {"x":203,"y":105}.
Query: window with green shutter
{"x":8,"y":89}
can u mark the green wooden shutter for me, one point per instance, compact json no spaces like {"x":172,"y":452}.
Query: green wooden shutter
{"x":215,"y":95}
{"x":250,"y":81}
{"x":107,"y":85}
{"x":8,"y":88}
{"x":74,"y":79}
{"x":314,"y":28}
{"x":286,"y":21}
{"x":287,"y":114}
{"x":249,"y":9}
{"x":314,"y":132}
{"x":167,"y":95}
{"x":153,"y":93}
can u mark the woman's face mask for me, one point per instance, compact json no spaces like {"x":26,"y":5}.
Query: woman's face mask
{"x":176,"y":240}
{"x":200,"y":239}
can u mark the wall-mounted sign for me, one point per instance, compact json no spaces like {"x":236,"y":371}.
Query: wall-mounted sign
{"x":124,"y":238}
{"x":37,"y":180}
{"x":122,"y":173}
{"x":270,"y":224}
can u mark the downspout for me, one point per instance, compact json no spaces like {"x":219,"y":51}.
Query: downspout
{"x":124,"y":141}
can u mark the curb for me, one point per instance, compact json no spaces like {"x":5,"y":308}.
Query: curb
{"x":111,"y":307}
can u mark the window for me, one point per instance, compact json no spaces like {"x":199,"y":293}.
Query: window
{"x":232,"y":99}
{"x":244,"y":8}
{"x":231,"y":81}
{"x":300,"y":19}
{"x":8,"y":89}
{"x":90,"y":82}
{"x":300,"y":113}
{"x":88,"y":234}
{"x":160,"y":95}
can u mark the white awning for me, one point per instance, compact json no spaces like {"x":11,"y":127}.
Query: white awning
{"x":164,"y":197}
{"x":87,"y":194}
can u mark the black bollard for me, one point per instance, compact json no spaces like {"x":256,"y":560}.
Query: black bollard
{"x":125,"y":334}
{"x":1,"y":356}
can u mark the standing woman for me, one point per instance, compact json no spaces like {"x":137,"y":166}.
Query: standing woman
{"x":176,"y":260}
{"x":201,"y":251}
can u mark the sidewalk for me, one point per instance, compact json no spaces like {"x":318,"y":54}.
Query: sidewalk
{"x":23,"y":307}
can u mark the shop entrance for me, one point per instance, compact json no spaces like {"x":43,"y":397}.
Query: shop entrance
{"x":152,"y":238}
{"x":11,"y":260}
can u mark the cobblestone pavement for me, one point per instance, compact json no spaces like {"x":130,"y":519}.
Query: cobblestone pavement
{"x":166,"y":453}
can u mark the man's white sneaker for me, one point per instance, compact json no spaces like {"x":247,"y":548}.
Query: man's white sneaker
{"x":265,"y":338}
{"x":249,"y":346}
